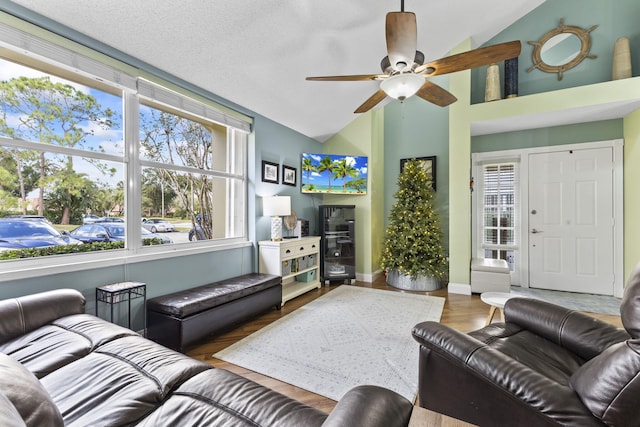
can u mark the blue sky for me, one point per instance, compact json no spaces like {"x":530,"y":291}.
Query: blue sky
{"x":358,"y":162}
{"x":110,"y":140}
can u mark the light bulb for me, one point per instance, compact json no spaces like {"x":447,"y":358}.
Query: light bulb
{"x":402,"y":86}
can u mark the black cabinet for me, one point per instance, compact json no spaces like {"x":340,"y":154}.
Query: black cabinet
{"x":338,"y":242}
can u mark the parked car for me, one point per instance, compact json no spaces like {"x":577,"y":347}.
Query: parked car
{"x":32,"y":217}
{"x":109,"y":219}
{"x":90,"y":219}
{"x":22,"y":233}
{"x":109,"y":232}
{"x":157,"y":225}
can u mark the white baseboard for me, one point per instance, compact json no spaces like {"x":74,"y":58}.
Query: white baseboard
{"x":369,"y":278}
{"x":459,"y":288}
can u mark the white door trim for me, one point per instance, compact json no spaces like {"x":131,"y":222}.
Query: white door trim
{"x":523,"y":155}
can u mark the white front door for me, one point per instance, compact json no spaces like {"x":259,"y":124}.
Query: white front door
{"x":571,"y":221}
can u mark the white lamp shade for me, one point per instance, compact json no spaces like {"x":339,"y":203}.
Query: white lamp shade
{"x":276,"y":206}
{"x":401,"y":86}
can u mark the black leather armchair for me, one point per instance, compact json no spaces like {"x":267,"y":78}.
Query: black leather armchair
{"x":546,"y":365}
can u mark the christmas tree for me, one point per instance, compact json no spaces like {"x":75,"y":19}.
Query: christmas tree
{"x":413,"y":239}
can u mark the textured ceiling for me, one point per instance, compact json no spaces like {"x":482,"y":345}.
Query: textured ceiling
{"x":256,"y":53}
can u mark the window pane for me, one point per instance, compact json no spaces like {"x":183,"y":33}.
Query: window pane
{"x":45,"y":108}
{"x":176,"y":140}
{"x":63,"y":188}
{"x":490,"y":235}
{"x":490,"y":217}
{"x":201,"y":207}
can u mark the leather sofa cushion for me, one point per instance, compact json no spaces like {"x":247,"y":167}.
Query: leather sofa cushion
{"x":373,"y":406}
{"x":119,"y":383}
{"x":27,"y":313}
{"x":531,"y":350}
{"x":50,"y":347}
{"x":221,"y":398}
{"x":27,"y":395}
{"x":185,"y":303}
{"x":609,"y":384}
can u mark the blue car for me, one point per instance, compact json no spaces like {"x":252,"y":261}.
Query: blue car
{"x":28,"y":233}
{"x":109,"y":232}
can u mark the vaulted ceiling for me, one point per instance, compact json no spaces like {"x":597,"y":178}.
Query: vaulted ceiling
{"x":257,"y":53}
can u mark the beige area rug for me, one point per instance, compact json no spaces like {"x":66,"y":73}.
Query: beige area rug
{"x":347,"y":337}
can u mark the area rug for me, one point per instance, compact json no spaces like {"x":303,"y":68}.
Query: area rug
{"x":347,"y":337}
{"x":575,"y":301}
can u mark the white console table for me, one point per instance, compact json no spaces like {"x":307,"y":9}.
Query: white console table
{"x":296,"y":260}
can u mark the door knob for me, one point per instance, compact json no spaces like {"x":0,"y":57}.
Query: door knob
{"x":534,"y":231}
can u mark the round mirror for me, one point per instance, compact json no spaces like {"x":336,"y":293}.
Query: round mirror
{"x":561,"y":49}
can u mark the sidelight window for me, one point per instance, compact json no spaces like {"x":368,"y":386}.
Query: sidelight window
{"x":500,"y":211}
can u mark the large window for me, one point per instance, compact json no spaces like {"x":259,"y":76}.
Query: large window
{"x":83,"y":152}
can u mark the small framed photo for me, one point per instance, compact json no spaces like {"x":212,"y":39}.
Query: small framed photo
{"x":270,"y":172}
{"x":289,"y":175}
{"x":429,"y":165}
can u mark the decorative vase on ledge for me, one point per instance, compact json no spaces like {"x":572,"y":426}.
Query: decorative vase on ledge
{"x":511,"y":78}
{"x":621,"y":68}
{"x":405,"y":282}
{"x":492,"y":88}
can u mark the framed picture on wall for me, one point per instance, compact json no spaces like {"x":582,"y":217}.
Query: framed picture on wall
{"x":270,"y":172}
{"x":429,"y":165}
{"x":289,"y":175}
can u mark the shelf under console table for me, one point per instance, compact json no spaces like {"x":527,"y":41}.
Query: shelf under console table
{"x":296,"y":260}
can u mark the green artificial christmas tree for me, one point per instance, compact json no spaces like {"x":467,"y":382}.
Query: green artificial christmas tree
{"x":413,"y":239}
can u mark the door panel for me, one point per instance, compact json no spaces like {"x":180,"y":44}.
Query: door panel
{"x":571,"y":221}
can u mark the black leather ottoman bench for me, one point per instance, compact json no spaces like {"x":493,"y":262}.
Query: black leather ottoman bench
{"x":184,"y":318}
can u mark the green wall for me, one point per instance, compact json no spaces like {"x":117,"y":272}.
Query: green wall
{"x":363,"y":137}
{"x":544,"y":137}
{"x":631,"y":195}
{"x":416,"y":128}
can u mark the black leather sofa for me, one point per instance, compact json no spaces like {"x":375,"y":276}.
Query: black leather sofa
{"x":546,"y":365}
{"x":59,"y":366}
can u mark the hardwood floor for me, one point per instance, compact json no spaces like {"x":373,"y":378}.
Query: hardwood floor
{"x":462,"y":312}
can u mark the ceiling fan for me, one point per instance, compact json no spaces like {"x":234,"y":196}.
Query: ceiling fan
{"x":404,"y":72}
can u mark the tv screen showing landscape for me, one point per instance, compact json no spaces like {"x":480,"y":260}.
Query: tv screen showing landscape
{"x":334,"y":173}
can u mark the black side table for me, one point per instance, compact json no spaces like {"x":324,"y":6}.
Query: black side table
{"x":123,"y":292}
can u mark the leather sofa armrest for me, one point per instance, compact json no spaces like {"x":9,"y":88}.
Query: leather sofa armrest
{"x":580,"y":333}
{"x":503,"y":374}
{"x":23,"y":314}
{"x":370,"y":406}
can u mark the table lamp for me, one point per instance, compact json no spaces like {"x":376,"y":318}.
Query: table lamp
{"x":276,"y":207}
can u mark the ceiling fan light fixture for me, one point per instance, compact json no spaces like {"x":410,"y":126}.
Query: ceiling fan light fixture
{"x":402,"y":86}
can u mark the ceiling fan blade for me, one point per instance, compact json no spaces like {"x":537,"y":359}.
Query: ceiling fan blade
{"x":402,"y":35}
{"x":472,"y":59}
{"x":371,"y":102}
{"x":435,"y":94}
{"x":353,"y":78}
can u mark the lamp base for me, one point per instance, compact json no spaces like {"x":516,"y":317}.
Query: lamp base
{"x":276,"y":228}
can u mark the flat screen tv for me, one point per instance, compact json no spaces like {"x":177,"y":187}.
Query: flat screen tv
{"x":334,"y":174}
